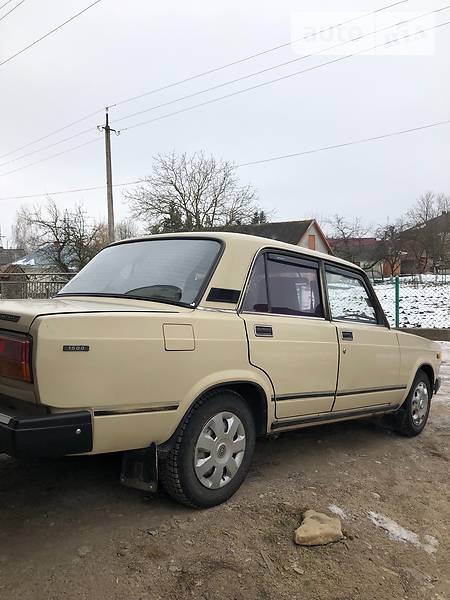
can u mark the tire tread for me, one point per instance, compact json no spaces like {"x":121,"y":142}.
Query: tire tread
{"x":402,"y":424}
{"x":170,"y":472}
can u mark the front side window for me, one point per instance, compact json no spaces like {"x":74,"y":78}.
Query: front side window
{"x":171,"y":270}
{"x":293,"y":289}
{"x":349,"y":299}
{"x":280,"y":286}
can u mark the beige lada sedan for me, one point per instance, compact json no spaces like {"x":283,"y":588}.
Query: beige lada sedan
{"x":178,"y":350}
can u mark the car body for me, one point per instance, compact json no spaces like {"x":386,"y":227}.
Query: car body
{"x":297,"y":336}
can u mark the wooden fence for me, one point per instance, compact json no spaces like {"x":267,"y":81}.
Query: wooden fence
{"x":32,"y":285}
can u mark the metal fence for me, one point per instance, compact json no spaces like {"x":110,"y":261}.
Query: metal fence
{"x":32,"y":285}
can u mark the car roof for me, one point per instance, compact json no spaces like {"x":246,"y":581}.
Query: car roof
{"x":249,"y":243}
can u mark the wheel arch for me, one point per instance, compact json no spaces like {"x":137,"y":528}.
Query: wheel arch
{"x":254,"y":396}
{"x":252,"y":392}
{"x":428,"y":369}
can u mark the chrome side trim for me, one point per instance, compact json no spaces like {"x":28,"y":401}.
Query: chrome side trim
{"x":389,"y":388}
{"x":335,"y":416}
{"x":302,"y":396}
{"x":104,"y":413}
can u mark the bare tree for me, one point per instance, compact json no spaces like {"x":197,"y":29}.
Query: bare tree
{"x":67,"y":237}
{"x":24,"y":236}
{"x":125,"y":229}
{"x":442,"y":231}
{"x":344,"y":236}
{"x":428,"y":235}
{"x":392,"y":246}
{"x":191,"y":193}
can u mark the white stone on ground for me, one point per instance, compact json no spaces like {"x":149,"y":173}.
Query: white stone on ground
{"x":318,"y":529}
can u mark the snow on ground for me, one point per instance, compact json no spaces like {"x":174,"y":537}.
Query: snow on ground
{"x":400,"y":534}
{"x":424,"y":304}
{"x":337,"y":510}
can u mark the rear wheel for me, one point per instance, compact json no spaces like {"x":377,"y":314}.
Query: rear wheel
{"x":411,"y":419}
{"x":211,"y":453}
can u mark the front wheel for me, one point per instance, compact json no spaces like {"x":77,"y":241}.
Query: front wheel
{"x":412,"y":417}
{"x":211,"y":453}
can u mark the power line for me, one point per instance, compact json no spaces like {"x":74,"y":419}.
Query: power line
{"x":229,"y":83}
{"x":282,"y":78}
{"x":44,"y":137}
{"x":344,"y":144}
{"x":71,"y":191}
{"x":6,"y":60}
{"x":252,"y":56}
{"x":232,"y":94}
{"x":11,"y":10}
{"x":3,"y":5}
{"x":251,"y":163}
{"x":226,"y":83}
{"x":277,"y":66}
{"x":71,"y":137}
{"x":50,"y":157}
{"x":204,"y":73}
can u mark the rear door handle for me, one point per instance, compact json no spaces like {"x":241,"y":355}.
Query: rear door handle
{"x":347,"y":335}
{"x":263,"y":331}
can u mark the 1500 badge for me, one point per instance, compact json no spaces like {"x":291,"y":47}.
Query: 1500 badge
{"x":76,"y":348}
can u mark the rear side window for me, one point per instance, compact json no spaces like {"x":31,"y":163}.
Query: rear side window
{"x":283,"y":285}
{"x":349,"y":299}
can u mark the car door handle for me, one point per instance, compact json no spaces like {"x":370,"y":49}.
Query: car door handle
{"x":263,"y":331}
{"x":347,"y":335}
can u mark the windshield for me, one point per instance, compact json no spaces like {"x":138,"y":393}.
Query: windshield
{"x":171,"y":270}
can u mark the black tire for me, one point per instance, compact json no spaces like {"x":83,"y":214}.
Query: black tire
{"x":177,"y":473}
{"x":404,"y":421}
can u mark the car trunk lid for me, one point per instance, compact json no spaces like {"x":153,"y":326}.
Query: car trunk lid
{"x":16,"y":319}
{"x":18,"y":315}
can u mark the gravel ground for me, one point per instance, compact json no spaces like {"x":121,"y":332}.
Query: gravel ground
{"x":70,"y":531}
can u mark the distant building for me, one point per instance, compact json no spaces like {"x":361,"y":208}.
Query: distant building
{"x":427,"y":247}
{"x":33,"y":275}
{"x":10,"y":255}
{"x":45,"y":260}
{"x":365,"y":252}
{"x":307,"y":234}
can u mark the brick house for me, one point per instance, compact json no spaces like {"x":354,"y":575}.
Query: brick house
{"x":367,"y":253}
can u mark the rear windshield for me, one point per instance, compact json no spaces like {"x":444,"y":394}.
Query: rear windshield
{"x":171,"y":270}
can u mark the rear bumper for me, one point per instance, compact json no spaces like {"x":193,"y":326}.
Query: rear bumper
{"x":50,"y":435}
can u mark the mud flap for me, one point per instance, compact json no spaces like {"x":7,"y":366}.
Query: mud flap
{"x":140,"y":469}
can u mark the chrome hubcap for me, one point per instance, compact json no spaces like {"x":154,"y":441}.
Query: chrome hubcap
{"x":419,"y":404}
{"x":219,"y":450}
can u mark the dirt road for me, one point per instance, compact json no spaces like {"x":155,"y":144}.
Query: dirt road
{"x":68,"y":530}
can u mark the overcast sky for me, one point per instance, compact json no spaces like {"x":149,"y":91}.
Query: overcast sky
{"x":120,"y":49}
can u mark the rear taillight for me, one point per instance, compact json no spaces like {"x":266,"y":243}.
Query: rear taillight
{"x":15,"y":357}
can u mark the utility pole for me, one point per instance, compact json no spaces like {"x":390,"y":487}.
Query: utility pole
{"x":109,"y":190}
